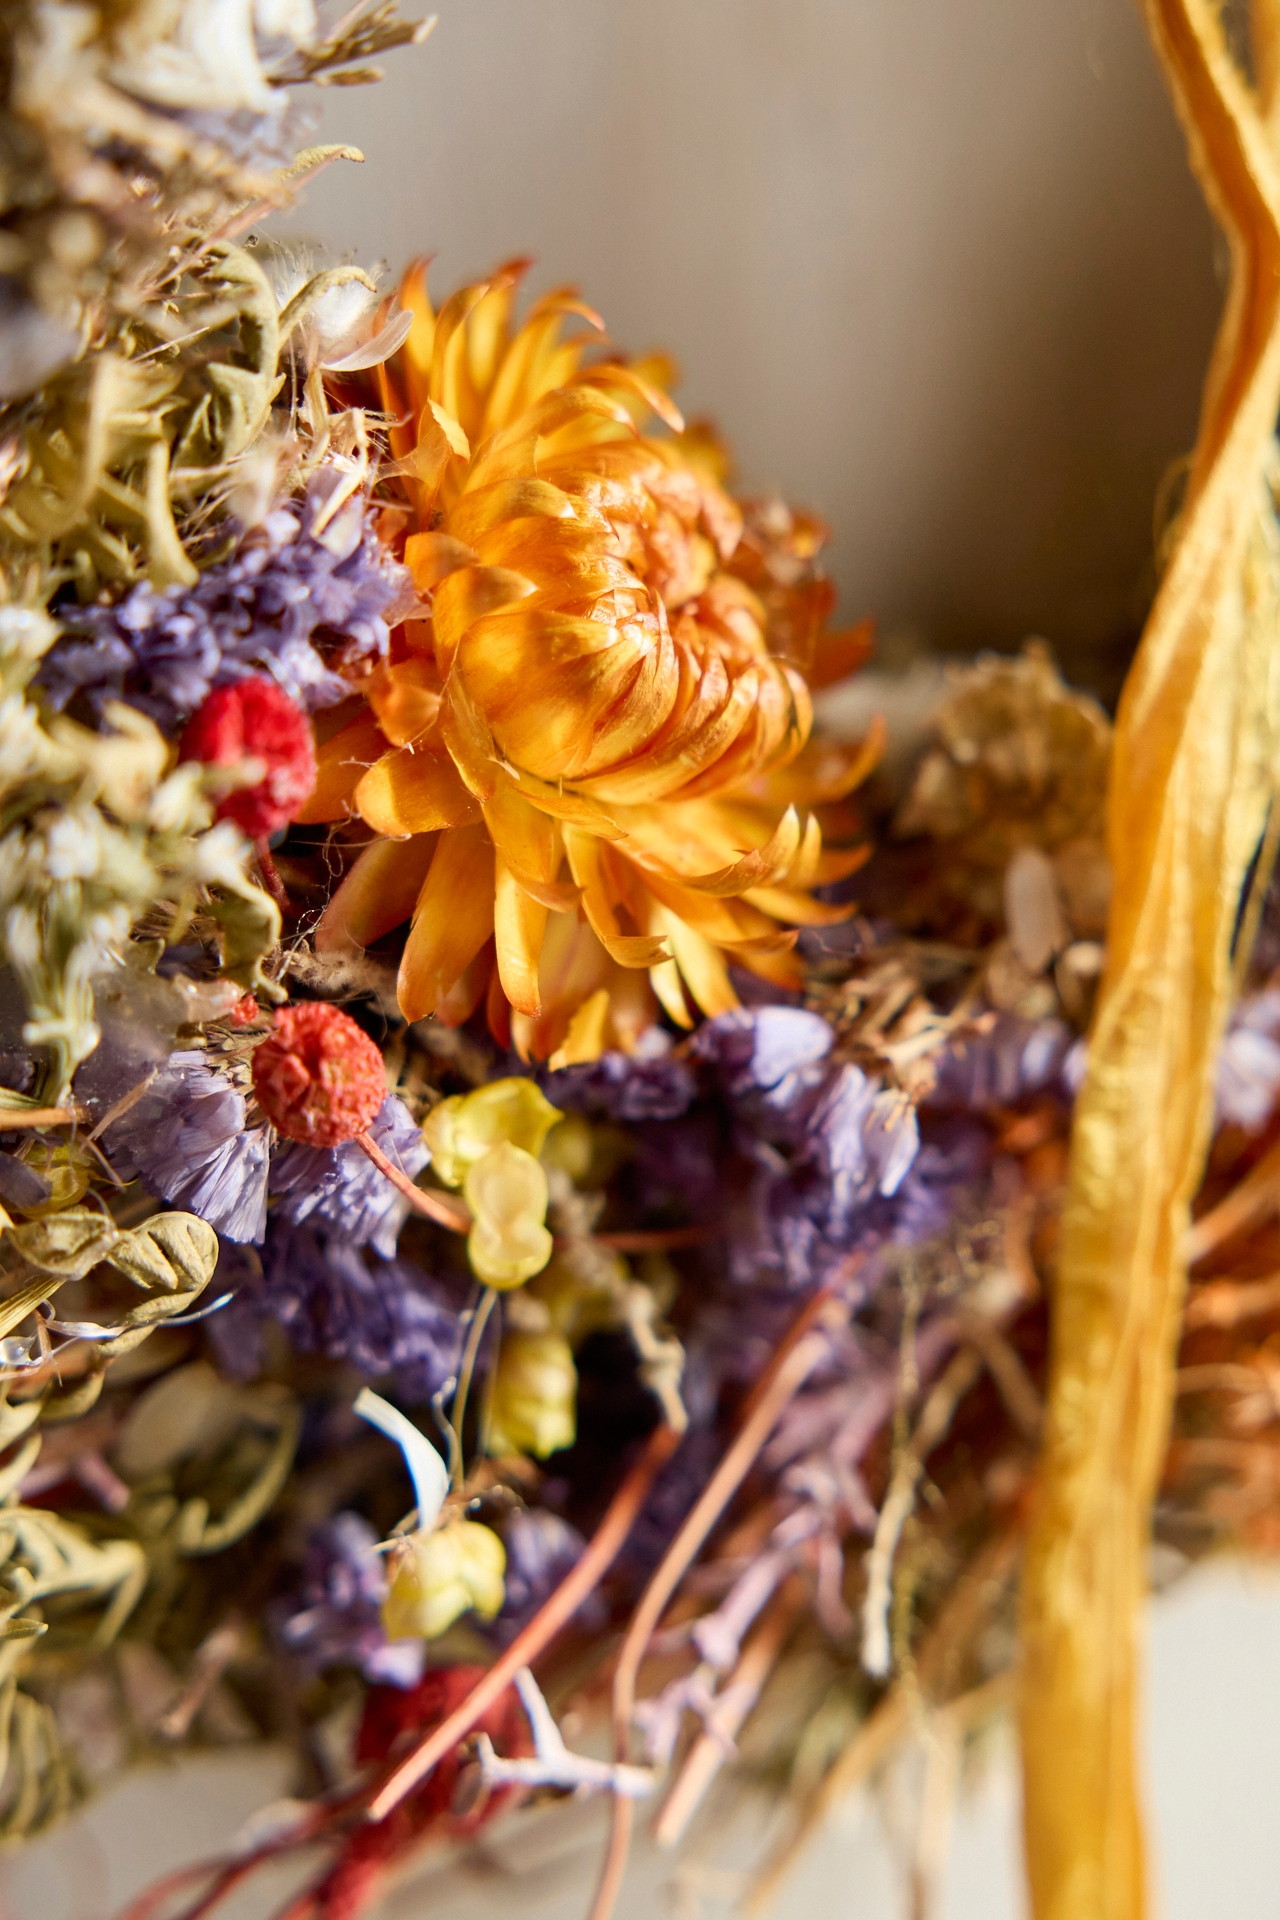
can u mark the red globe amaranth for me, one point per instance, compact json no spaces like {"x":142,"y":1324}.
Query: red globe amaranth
{"x":318,"y":1076}
{"x":255,"y":719}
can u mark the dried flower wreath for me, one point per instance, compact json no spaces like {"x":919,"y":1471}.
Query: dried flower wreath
{"x":494,"y":1238}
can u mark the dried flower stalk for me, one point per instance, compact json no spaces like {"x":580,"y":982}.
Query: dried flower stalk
{"x":1187,"y":808}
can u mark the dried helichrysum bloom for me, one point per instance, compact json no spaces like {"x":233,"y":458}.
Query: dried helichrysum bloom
{"x":255,"y":720}
{"x":442,"y":1575}
{"x":507,"y":1193}
{"x":318,"y":1076}
{"x":462,"y":1130}
{"x":601,"y":720}
{"x":533,"y":1396}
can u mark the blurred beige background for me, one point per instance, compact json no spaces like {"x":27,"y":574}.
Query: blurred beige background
{"x":937,"y":266}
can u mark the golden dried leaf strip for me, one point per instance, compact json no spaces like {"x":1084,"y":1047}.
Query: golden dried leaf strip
{"x":1186,"y":810}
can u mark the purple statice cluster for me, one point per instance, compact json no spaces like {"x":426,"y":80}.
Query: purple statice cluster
{"x":301,"y":599}
{"x":328,"y":1270}
{"x":187,"y":1137}
{"x":806,"y":1159}
{"x":334,"y":1619}
{"x":384,"y":1317}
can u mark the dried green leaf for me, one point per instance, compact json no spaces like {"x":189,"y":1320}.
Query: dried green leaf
{"x":171,"y":1253}
{"x":68,"y":1244}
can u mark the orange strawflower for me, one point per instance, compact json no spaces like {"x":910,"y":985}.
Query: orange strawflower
{"x":590,"y":766}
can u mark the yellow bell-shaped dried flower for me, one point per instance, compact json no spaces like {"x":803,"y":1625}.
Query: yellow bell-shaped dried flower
{"x":506,"y":1191}
{"x":589,"y":764}
{"x":533,"y":1396}
{"x":458,"y":1569}
{"x":461,"y":1130}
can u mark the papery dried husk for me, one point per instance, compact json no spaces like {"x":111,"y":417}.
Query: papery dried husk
{"x":1193,"y":764}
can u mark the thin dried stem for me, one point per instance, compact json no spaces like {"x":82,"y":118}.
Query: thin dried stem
{"x":795,"y":1361}
{"x":440,"y":1207}
{"x":1256,"y":1197}
{"x":1228,"y":1302}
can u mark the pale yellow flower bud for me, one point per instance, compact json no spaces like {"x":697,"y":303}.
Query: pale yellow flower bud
{"x":455,"y":1570}
{"x":507,"y":1193}
{"x":534,"y":1396}
{"x":462,"y":1130}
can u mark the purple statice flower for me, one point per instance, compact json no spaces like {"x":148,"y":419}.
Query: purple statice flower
{"x":335,"y":1619}
{"x":541,"y":1549}
{"x":955,"y":1152}
{"x":340,"y":1188}
{"x":778,"y":1053}
{"x":384,"y":1317}
{"x":1011,"y":1059}
{"x":864,"y":1137}
{"x":187,"y":1139}
{"x":286,"y":587}
{"x":618,"y":1086}
{"x":824,"y":1141}
{"x":1249,"y":1062}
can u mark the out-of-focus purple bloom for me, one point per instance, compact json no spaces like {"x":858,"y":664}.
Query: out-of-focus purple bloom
{"x":385,"y":1317}
{"x":954,"y":1154}
{"x":625,"y":1087}
{"x":1249,"y":1063}
{"x":778,"y":1052}
{"x":341,"y":1189}
{"x":541,"y":1549}
{"x":286,"y":588}
{"x":1010,"y":1060}
{"x":336,"y":1621}
{"x":864,"y":1137}
{"x":186,"y":1138}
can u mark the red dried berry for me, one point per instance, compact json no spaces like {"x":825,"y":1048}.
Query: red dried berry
{"x":318,"y":1076}
{"x":255,"y":719}
{"x":245,"y":1009}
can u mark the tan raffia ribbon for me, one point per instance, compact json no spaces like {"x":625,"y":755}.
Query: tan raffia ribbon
{"x":1190,"y":787}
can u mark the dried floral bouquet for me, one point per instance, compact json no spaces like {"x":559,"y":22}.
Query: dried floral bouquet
{"x":499,"y":1223}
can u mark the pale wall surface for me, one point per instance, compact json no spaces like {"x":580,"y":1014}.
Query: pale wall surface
{"x":936,"y":265}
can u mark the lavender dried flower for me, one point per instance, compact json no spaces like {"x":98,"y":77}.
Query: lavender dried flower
{"x":187,"y":1139}
{"x":340,"y":1188}
{"x":385,"y":1317}
{"x":301,"y":605}
{"x":1249,"y":1063}
{"x":336,"y":1618}
{"x":996,"y":1067}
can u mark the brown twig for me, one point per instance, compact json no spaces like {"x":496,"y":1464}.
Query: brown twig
{"x":212,"y":1657}
{"x":444,"y":1210}
{"x":1227,"y":1302}
{"x":1257,"y":1195}
{"x":556,"y":1613}
{"x":796,"y":1358}
{"x":12,"y":1119}
{"x":600,"y":1553}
